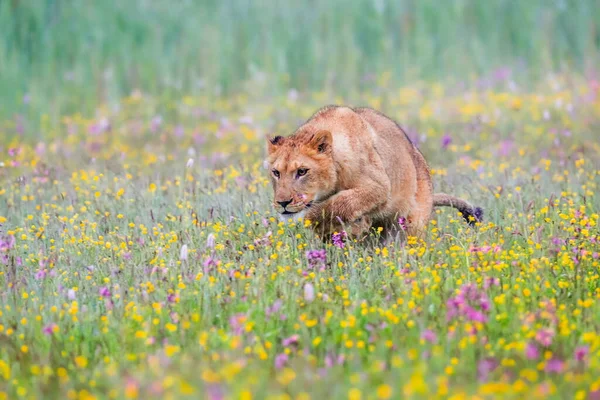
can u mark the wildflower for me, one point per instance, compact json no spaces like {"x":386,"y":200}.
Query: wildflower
{"x":485,"y":367}
{"x":581,"y":353}
{"x":429,"y":336}
{"x":156,"y":123}
{"x":554,"y":365}
{"x":236,"y":322}
{"x":171,"y":298}
{"x":544,"y":337}
{"x":41,"y":274}
{"x":402,"y":223}
{"x":49,"y":329}
{"x":309,"y":292}
{"x":210,"y":241}
{"x":446,"y":140}
{"x":190,"y":163}
{"x":183,"y":254}
{"x":104,"y":291}
{"x":6,"y":243}
{"x":384,"y":392}
{"x":490,"y":281}
{"x":470,"y":303}
{"x":531,"y":351}
{"x":338,"y":239}
{"x":316,"y":258}
{"x":71,"y":294}
{"x":292,"y":340}
{"x":274,"y":308}
{"x":281,"y":360}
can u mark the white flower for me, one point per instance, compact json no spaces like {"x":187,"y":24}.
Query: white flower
{"x":183,"y":254}
{"x":309,"y":292}
{"x":71,"y":294}
{"x":190,"y":163}
{"x":210,"y":241}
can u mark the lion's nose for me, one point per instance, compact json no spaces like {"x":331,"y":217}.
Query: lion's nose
{"x":284,"y":203}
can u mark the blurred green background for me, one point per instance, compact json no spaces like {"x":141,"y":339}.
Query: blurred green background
{"x":66,"y":56}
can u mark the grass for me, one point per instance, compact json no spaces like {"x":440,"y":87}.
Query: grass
{"x":70,"y":56}
{"x":129,"y":271}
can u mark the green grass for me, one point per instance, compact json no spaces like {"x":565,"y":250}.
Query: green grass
{"x":69,"y":55}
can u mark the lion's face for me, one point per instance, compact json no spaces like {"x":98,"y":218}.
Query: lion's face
{"x":302,"y":172}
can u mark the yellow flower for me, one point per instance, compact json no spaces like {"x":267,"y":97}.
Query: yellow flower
{"x":81,"y":361}
{"x":354,"y":394}
{"x":384,"y":392}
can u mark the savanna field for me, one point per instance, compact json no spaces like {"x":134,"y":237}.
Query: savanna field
{"x":140,"y":256}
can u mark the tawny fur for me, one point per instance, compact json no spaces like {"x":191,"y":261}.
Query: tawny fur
{"x":355,"y":169}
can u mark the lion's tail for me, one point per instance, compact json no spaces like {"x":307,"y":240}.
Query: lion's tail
{"x":470,"y":213}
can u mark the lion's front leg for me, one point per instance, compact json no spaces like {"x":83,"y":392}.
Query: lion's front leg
{"x":348,"y":208}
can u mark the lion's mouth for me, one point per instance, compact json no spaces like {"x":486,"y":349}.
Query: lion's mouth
{"x":286,"y":212}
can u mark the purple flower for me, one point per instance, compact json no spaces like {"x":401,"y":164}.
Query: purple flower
{"x":338,"y":239}
{"x":281,"y":360}
{"x":429,"y":336}
{"x":41,"y":274}
{"x":554,"y":365}
{"x":489,"y":282}
{"x":6,"y":243}
{"x":531,"y":351}
{"x":292,"y":340}
{"x":71,"y":294}
{"x":274,"y":308}
{"x":485,"y":367}
{"x":470,"y":303}
{"x":236,"y":322}
{"x":581,"y":353}
{"x":316,"y":258}
{"x":104,"y":291}
{"x":446,"y":140}
{"x":402,"y":223}
{"x":49,"y":329}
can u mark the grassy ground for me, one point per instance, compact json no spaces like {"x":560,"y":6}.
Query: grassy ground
{"x":129,"y":271}
{"x":67,"y":56}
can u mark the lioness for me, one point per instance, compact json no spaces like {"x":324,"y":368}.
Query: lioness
{"x":354,"y":169}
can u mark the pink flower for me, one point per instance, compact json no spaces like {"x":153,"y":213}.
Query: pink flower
{"x":544,"y":337}
{"x":402,"y":223}
{"x":49,"y":329}
{"x":281,"y":360}
{"x":292,"y":340}
{"x":581,"y":353}
{"x":104,"y":291}
{"x":531,"y":351}
{"x":554,"y":365}
{"x":429,"y":336}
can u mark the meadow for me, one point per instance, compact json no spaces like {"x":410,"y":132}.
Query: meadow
{"x":140,"y":256}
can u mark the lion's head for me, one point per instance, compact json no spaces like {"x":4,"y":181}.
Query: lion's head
{"x":302,"y":171}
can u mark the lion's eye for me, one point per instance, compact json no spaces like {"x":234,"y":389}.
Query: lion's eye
{"x":275,"y":173}
{"x":302,"y":171}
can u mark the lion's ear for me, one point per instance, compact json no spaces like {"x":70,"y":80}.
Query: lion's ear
{"x":321,"y":142}
{"x":273,"y":143}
